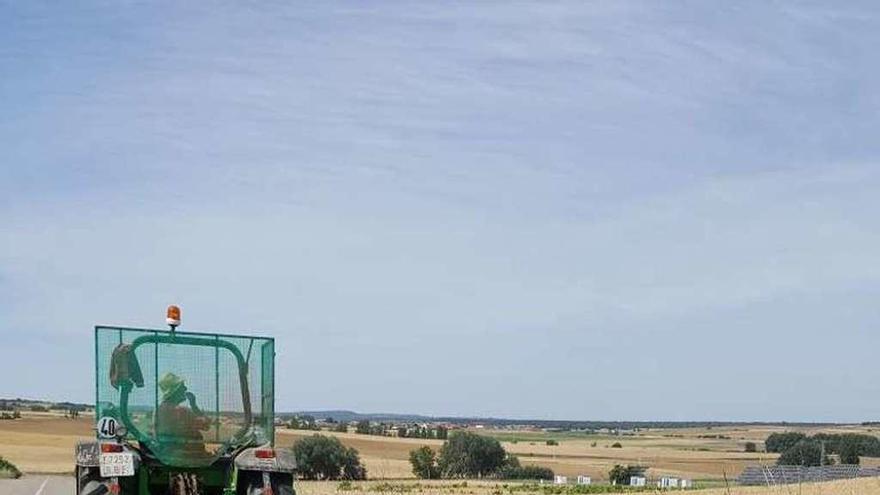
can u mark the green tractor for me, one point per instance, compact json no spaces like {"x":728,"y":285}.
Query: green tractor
{"x":182,"y":413}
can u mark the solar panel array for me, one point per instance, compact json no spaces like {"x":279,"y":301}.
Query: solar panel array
{"x":784,"y":475}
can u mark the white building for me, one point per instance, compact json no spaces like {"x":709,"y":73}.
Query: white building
{"x":584,"y":480}
{"x":686,"y":484}
{"x":560,"y":480}
{"x":637,"y":481}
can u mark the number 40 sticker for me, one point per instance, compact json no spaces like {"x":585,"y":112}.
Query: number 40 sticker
{"x":107,"y":427}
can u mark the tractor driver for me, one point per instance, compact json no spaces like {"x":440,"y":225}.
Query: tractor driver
{"x":177,"y":425}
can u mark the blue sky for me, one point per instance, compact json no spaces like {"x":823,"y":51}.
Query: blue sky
{"x":618,"y":210}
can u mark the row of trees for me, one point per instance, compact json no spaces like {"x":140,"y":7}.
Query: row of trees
{"x":416,"y":431}
{"x":468,"y":455}
{"x":797,"y":449}
{"x":304,"y":422}
{"x":365,"y":427}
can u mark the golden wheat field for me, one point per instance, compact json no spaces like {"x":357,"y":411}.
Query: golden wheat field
{"x":44,"y":443}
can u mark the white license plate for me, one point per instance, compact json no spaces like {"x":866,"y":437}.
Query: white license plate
{"x":117,"y":465}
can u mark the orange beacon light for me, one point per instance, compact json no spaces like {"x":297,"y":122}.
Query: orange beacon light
{"x":172,"y":316}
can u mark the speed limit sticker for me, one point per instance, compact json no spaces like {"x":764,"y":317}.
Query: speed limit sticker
{"x":107,"y":427}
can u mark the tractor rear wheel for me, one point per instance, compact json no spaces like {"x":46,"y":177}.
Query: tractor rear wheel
{"x":282,"y":484}
{"x":88,"y":481}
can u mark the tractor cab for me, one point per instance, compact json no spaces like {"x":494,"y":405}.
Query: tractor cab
{"x":183,"y":412}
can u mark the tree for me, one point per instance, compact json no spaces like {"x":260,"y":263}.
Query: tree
{"x":308,"y":422}
{"x":620,"y":475}
{"x":442,"y":433}
{"x":778,"y":443}
{"x":751,"y":447}
{"x":320,"y":457}
{"x":424,"y":463}
{"x":362,"y":427}
{"x":849,"y":450}
{"x":866,"y":445}
{"x":806,"y":452}
{"x":341,"y":428}
{"x":466,"y":455}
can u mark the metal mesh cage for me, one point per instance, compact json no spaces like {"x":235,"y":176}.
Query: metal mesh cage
{"x":187,"y":398}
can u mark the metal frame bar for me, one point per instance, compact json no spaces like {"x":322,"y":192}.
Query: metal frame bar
{"x":182,"y":338}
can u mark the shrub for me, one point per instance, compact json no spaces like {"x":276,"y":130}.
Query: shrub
{"x":512,"y":470}
{"x":620,"y":475}
{"x":751,"y":447}
{"x":552,"y":442}
{"x":8,"y":470}
{"x":320,"y":457}
{"x":526,"y":473}
{"x":616,"y":445}
{"x":424,"y":463}
{"x":467,"y":455}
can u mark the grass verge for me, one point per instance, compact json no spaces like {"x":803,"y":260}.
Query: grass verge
{"x":8,"y":470}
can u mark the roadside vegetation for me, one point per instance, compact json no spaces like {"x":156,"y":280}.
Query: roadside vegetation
{"x":8,"y":470}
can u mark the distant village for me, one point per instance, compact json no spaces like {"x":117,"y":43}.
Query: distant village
{"x":424,"y":428}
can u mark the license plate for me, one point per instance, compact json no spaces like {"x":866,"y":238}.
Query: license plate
{"x":117,"y":465}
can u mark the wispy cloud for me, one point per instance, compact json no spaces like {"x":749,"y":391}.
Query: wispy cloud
{"x":629,"y":191}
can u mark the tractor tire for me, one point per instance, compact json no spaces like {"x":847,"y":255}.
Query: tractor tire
{"x":276,"y":490}
{"x":184,"y":484}
{"x":283,"y":489}
{"x":282,"y":484}
{"x":89,"y":482}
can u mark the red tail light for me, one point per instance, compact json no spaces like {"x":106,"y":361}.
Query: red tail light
{"x":265,"y":453}
{"x":110,"y":447}
{"x":114,"y":488}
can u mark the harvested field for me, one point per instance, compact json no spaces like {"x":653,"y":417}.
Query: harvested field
{"x":44,"y":443}
{"x":699,"y":454}
{"x":384,"y":457}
